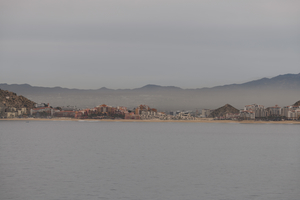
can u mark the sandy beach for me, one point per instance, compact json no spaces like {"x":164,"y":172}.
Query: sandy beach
{"x":166,"y":121}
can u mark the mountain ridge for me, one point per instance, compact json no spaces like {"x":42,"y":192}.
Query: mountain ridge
{"x":295,"y":77}
{"x":282,"y":89}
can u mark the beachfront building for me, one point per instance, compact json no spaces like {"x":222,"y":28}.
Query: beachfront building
{"x":247,"y":114}
{"x":292,"y":115}
{"x":297,"y":111}
{"x":12,"y":112}
{"x":254,"y":111}
{"x":184,"y":115}
{"x":102,"y":112}
{"x":45,"y":111}
{"x":206,"y":112}
{"x":258,"y":111}
{"x":105,"y":109}
{"x":284,"y":111}
{"x":131,"y":115}
{"x":274,"y":111}
{"x":290,"y":112}
{"x":145,"y":112}
{"x":66,"y":113}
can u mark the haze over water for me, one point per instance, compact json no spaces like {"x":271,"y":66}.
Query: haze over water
{"x":148,"y":161}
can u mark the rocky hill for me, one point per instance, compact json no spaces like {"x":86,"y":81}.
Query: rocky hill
{"x":297,"y":103}
{"x":222,"y":111}
{"x":11,"y":99}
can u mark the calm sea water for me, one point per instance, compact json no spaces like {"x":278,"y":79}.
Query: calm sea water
{"x":148,"y":161}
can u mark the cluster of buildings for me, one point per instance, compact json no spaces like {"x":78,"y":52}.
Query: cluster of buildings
{"x":12,"y":112}
{"x":42,"y":110}
{"x":144,"y":112}
{"x":255,"y":111}
{"x":182,"y":115}
{"x":99,"y":112}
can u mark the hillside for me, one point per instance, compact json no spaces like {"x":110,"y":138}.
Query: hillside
{"x":11,"y":99}
{"x":285,"y":81}
{"x":297,"y":103}
{"x":222,"y":111}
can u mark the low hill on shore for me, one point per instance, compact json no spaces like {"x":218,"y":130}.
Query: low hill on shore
{"x":222,"y":111}
{"x":297,"y":103}
{"x":11,"y":99}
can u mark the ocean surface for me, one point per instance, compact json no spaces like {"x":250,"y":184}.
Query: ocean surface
{"x":56,"y":160}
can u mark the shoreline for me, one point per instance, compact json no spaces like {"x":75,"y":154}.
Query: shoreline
{"x":153,"y":120}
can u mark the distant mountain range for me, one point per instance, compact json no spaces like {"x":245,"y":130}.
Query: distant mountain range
{"x":282,"y":90}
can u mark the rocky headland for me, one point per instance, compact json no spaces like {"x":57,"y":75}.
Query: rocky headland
{"x":10,"y":99}
{"x":222,"y":111}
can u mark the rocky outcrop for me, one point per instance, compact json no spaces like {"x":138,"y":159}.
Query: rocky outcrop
{"x":11,"y":99}
{"x":297,"y":103}
{"x":222,"y":111}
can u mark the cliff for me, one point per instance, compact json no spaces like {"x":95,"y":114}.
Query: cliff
{"x":222,"y":111}
{"x":11,"y":99}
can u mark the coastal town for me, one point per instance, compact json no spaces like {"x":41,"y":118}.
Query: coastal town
{"x":14,"y":106}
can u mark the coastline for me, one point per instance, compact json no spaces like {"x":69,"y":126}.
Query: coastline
{"x":153,"y":120}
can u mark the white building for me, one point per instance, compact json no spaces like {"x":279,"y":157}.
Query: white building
{"x":206,"y":112}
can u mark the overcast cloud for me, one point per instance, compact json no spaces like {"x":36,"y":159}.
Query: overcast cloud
{"x":130,"y":43}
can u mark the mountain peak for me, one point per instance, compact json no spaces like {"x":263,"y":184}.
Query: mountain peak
{"x":103,"y":88}
{"x":151,"y":86}
{"x":222,"y":111}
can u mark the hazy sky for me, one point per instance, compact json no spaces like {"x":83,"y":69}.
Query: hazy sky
{"x":130,"y":43}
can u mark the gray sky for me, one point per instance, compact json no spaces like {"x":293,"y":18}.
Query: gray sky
{"x":90,"y":44}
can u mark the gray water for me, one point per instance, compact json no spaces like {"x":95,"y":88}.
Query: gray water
{"x":148,"y":161}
